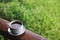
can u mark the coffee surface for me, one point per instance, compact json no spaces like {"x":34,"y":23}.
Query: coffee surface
{"x":16,"y":26}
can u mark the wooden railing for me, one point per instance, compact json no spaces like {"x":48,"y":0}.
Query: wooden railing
{"x":28,"y":35}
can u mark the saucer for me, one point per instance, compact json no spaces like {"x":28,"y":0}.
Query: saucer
{"x":9,"y":31}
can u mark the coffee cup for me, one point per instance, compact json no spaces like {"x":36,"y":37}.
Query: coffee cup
{"x":16,"y":28}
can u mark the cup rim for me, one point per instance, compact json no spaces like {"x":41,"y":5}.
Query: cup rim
{"x":15,"y":22}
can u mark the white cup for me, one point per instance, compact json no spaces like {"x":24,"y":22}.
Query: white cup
{"x":16,"y":28}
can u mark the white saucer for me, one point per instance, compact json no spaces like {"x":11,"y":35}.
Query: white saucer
{"x":9,"y":31}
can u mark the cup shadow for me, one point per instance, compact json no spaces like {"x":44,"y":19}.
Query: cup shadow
{"x":7,"y":36}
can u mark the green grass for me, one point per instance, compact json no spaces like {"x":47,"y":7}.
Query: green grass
{"x":39,"y":16}
{"x":45,"y":18}
{"x":1,"y":37}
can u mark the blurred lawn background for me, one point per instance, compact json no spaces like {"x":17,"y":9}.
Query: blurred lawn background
{"x":39,"y":16}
